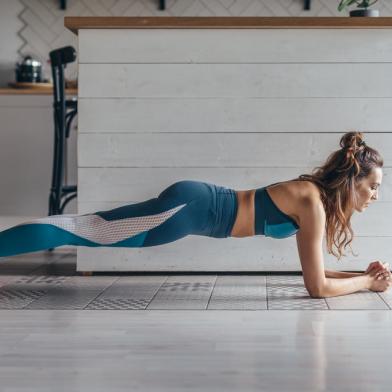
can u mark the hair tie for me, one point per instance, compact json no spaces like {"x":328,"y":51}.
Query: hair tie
{"x":348,"y":149}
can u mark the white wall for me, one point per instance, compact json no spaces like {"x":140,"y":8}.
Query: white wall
{"x":26,"y":154}
{"x":9,"y":39}
{"x":241,"y":108}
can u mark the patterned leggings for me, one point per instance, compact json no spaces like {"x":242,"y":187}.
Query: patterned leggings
{"x":185,"y":207}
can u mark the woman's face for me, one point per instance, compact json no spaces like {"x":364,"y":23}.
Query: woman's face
{"x":367,"y":189}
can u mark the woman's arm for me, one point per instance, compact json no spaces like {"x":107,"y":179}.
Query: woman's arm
{"x":343,"y":286}
{"x":309,"y":242}
{"x":382,"y":268}
{"x":341,"y":274}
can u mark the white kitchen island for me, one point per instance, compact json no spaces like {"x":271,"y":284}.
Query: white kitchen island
{"x":239,"y":102}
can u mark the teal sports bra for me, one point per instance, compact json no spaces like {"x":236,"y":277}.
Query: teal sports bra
{"x":269,"y":219}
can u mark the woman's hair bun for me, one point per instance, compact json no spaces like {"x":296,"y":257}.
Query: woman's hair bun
{"x":352,"y":141}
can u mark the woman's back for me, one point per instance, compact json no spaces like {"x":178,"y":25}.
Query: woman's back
{"x":287,"y":197}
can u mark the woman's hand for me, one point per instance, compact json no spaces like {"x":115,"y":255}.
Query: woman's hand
{"x":382,"y":268}
{"x":380,"y":278}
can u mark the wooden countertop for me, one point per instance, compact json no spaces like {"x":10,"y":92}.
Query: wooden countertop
{"x":32,"y":91}
{"x":213,"y":22}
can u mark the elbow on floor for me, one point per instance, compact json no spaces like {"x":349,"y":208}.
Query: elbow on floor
{"x":316,"y":293}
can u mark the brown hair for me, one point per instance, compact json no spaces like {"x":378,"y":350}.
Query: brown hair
{"x":336,"y":180}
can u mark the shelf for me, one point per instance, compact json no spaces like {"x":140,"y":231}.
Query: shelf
{"x":235,"y":22}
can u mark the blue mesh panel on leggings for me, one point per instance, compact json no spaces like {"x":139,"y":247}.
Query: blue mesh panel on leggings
{"x":185,"y":207}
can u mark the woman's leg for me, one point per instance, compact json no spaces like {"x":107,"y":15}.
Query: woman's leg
{"x":181,"y":209}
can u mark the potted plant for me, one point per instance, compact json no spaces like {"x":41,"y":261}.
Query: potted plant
{"x":362,"y":7}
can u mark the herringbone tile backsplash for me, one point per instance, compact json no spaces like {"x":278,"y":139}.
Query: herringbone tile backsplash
{"x":43,"y":25}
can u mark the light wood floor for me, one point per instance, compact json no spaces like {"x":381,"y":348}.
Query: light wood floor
{"x":60,"y":331}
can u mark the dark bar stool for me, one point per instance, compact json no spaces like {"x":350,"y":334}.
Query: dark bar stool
{"x":63,"y":112}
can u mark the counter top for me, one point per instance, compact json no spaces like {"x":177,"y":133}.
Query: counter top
{"x":214,"y":22}
{"x":31,"y":91}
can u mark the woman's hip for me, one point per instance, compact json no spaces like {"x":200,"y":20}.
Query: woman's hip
{"x":217,"y":205}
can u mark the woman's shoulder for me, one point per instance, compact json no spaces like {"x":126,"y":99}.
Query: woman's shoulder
{"x":309,"y":198}
{"x":309,"y":189}
{"x":305,"y":191}
{"x":302,"y":188}
{"x":307,"y":201}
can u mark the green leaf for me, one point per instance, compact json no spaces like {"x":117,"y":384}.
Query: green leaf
{"x":360,"y":3}
{"x":345,"y":3}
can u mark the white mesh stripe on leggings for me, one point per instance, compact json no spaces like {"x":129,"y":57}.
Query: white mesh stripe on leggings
{"x":94,"y":228}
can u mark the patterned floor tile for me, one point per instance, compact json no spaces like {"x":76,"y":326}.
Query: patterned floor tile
{"x":288,"y":292}
{"x":118,"y":304}
{"x":76,"y":292}
{"x":129,"y":292}
{"x":18,"y":298}
{"x":24,"y":290}
{"x":192,"y":291}
{"x":179,"y":304}
{"x":50,"y":281}
{"x":239,"y":292}
{"x":41,"y":280}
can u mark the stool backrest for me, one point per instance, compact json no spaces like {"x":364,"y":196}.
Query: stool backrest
{"x":64,"y":55}
{"x":59,"y":58}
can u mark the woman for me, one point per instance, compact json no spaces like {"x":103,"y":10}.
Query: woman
{"x":308,"y":206}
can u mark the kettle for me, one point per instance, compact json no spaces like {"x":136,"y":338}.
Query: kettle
{"x":29,"y":70}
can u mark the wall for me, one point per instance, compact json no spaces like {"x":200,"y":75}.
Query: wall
{"x":10,"y":40}
{"x":35,"y":27}
{"x":26,"y":155}
{"x":241,"y":108}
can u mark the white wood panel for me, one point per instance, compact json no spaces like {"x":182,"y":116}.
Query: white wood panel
{"x":238,"y":108}
{"x":197,"y":253}
{"x":234,"y":45}
{"x":235,"y":80}
{"x":236,"y":114}
{"x":215,"y":149}
{"x":130,"y":185}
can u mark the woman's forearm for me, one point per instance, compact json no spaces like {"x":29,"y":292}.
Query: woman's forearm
{"x":340,"y":274}
{"x":343,"y":286}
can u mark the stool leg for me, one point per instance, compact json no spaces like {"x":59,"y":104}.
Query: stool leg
{"x":55,"y":188}
{"x":60,"y":167}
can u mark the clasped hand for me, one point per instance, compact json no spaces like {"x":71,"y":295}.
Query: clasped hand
{"x":380,"y":276}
